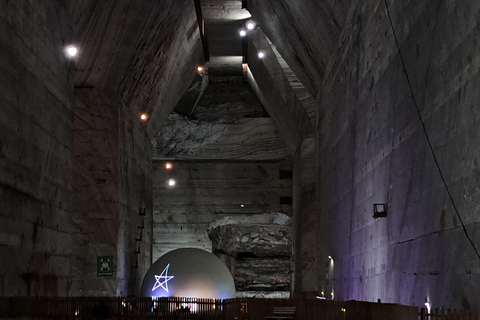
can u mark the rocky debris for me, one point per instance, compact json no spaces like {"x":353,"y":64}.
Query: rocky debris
{"x":277,"y":218}
{"x":262,"y":274}
{"x":260,"y":248}
{"x":264,"y":294}
{"x":256,"y":240}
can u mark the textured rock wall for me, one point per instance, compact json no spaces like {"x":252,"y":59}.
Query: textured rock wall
{"x":293,"y":110}
{"x":305,"y":33}
{"x":207,"y":191}
{"x":305,"y":261}
{"x":112,"y":184}
{"x":36,"y":177}
{"x":257,"y":251}
{"x":135,"y":56}
{"x":372,"y":149}
{"x":144,"y":51}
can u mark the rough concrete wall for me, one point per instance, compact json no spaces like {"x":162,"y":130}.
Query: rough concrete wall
{"x":112,"y":183}
{"x":372,"y":149}
{"x":35,"y":149}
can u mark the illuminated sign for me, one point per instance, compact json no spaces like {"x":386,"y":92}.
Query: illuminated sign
{"x":162,"y":279}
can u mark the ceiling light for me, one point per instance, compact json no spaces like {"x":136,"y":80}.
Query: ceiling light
{"x":242,"y":33}
{"x":71,"y":51}
{"x":171,"y":183}
{"x":250,"y":26}
{"x":144,"y":117}
{"x":168,"y":165}
{"x":200,"y":69}
{"x":261,"y":54}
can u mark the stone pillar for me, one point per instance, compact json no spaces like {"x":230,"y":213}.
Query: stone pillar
{"x":112,"y":169}
{"x":304,"y":222}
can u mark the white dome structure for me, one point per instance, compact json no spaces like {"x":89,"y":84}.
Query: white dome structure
{"x":188,"y":272}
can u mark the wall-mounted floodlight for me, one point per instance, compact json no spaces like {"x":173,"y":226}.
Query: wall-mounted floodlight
{"x":379,"y":210}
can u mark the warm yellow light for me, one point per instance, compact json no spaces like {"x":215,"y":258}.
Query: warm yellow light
{"x":168,"y":166}
{"x":200,"y":69}
{"x":343,"y":310}
{"x":143,"y":116}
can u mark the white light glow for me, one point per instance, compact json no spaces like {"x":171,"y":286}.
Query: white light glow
{"x":250,"y":26}
{"x":242,"y":205}
{"x":172,"y":182}
{"x":427,"y":305}
{"x":163,"y":276}
{"x":329,"y":257}
{"x":261,"y":54}
{"x":71,"y":51}
{"x":242,"y":33}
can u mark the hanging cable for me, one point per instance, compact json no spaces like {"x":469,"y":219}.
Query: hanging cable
{"x":426,"y":133}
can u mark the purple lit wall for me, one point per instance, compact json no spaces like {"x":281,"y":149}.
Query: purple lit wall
{"x":188,"y":272}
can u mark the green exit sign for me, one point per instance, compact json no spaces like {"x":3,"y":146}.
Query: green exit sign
{"x":105,"y":266}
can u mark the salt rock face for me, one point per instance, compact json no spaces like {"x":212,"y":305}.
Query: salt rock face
{"x":262,"y":274}
{"x":278,"y":218}
{"x":256,"y":240}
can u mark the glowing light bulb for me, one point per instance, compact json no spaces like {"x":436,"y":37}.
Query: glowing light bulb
{"x":242,"y":205}
{"x":200,"y":69}
{"x":261,"y":54}
{"x":143,"y":116}
{"x":250,"y":26}
{"x":242,"y":33}
{"x":172,"y":183}
{"x":168,"y":166}
{"x":71,"y":51}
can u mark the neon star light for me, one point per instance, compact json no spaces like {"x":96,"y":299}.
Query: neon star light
{"x":162,"y":279}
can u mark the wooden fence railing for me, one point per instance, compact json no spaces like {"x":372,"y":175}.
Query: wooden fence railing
{"x":442,"y":314}
{"x":122,"y":308}
{"x":88,"y":308}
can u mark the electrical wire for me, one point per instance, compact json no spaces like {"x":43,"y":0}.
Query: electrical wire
{"x":426,"y":133}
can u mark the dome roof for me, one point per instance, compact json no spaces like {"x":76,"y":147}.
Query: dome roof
{"x":188,"y":272}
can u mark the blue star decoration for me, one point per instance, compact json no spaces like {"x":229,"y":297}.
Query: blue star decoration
{"x":162,"y":279}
